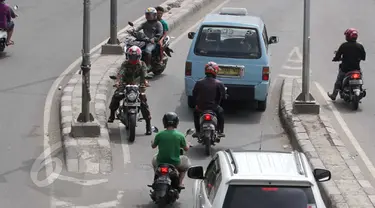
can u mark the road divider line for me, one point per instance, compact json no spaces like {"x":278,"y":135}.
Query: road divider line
{"x":347,"y":131}
{"x":124,"y":144}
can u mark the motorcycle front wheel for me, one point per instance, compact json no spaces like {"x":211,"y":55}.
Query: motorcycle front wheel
{"x":132,"y":121}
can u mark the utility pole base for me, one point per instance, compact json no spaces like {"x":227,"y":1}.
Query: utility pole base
{"x":85,"y":129}
{"x":112,"y":49}
{"x":305,"y":107}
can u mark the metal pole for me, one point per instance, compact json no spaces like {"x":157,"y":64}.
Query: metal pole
{"x":306,"y":52}
{"x":85,"y":115}
{"x":113,"y":36}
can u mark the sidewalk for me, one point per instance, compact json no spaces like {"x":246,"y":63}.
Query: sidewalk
{"x":315,"y":136}
{"x":93,"y":155}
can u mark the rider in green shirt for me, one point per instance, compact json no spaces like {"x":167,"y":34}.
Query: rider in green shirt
{"x":169,"y":143}
{"x":160,"y":11}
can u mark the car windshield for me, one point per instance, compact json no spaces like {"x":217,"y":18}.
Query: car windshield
{"x":230,"y":42}
{"x":240,"y":196}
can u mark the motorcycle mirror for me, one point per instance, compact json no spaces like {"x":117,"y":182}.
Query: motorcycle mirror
{"x":190,"y":131}
{"x":131,"y":24}
{"x":112,"y":77}
{"x":334,"y":52}
{"x":15,"y":7}
{"x":154,"y":129}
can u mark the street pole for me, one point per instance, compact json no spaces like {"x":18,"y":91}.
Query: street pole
{"x":305,"y":102}
{"x":306,"y":52}
{"x":85,"y":115}
{"x":113,"y":31}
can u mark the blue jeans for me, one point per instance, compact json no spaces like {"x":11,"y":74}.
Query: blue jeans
{"x":149,"y":48}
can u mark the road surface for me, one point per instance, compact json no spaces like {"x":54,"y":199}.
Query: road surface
{"x":327,"y":33}
{"x":245,"y":129}
{"x":47,"y":38}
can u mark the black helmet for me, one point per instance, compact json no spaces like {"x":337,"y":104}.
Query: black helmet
{"x":170,"y":119}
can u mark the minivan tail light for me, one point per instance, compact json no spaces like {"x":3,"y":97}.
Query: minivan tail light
{"x":188,"y":67}
{"x":269,"y":189}
{"x":266,"y":74}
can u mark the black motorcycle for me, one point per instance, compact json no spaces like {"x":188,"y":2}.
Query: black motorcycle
{"x":352,"y":89}
{"x":157,"y":66}
{"x":128,"y":112}
{"x":166,"y":185}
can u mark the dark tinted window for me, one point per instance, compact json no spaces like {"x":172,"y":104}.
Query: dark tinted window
{"x":213,"y":179}
{"x":228,"y":42}
{"x":267,"y":197}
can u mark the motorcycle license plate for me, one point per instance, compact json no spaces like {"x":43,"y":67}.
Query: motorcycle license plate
{"x":132,"y":104}
{"x":355,"y":82}
{"x":163,"y":179}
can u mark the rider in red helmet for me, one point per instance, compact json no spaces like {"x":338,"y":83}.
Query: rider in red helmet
{"x":208,"y":94}
{"x":132,"y":68}
{"x":350,"y":53}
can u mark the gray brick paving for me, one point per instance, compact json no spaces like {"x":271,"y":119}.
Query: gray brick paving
{"x":93,"y":155}
{"x":315,"y":136}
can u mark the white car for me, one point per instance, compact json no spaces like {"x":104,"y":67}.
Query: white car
{"x":259,"y":179}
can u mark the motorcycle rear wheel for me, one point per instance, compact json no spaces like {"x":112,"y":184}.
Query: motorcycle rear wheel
{"x":207,"y":146}
{"x":355,"y":105}
{"x":132,"y":121}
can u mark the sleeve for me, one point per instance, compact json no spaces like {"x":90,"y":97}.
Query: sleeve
{"x":121,"y":71}
{"x":159,"y":30}
{"x":140,"y":27}
{"x":166,"y":27}
{"x":339,"y":53}
{"x":196,"y":90}
{"x":12,"y":13}
{"x":222,"y":91}
{"x":142,"y":75}
{"x":182,"y":141}
{"x":156,"y":140}
{"x":363,"y":53}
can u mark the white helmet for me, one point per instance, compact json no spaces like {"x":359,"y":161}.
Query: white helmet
{"x":151,"y":13}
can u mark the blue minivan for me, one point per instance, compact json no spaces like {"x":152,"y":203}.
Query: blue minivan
{"x":238,"y":43}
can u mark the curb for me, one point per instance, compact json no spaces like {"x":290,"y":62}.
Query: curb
{"x":93,"y":155}
{"x":348,"y":188}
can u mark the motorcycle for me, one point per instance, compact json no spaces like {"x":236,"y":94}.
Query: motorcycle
{"x":209,"y":134}
{"x":4,"y":36}
{"x":157,"y":66}
{"x":129,"y":110}
{"x":165,"y":187}
{"x":352,"y":90}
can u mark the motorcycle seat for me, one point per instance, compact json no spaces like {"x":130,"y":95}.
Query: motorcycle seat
{"x":209,"y":112}
{"x":353,"y":72}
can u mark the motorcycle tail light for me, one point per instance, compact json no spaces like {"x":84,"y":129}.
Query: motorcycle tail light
{"x":188,"y":67}
{"x":207,"y":117}
{"x":164,"y":170}
{"x":356,"y":76}
{"x":266,"y":74}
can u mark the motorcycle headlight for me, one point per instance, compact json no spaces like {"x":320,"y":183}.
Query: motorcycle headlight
{"x":132,"y":96}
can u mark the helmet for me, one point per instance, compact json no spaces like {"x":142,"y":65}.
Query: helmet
{"x":134,"y":54}
{"x":151,"y":13}
{"x":351,"y":34}
{"x":211,"y":68}
{"x":170,"y":119}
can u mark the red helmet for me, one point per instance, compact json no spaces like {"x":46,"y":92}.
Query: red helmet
{"x":134,"y":54}
{"x":351,"y":34}
{"x":211,"y":68}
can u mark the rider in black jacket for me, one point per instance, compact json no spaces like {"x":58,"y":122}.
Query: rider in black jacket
{"x":350,"y":53}
{"x":208,"y":94}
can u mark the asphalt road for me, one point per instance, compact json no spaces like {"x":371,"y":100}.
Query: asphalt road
{"x":245,"y":128}
{"x":329,"y":20}
{"x":47,"y":39}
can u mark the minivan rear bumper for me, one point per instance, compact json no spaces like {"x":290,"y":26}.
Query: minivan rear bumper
{"x":237,"y":92}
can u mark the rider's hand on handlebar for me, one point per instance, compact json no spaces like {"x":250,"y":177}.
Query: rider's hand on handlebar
{"x":152,"y":41}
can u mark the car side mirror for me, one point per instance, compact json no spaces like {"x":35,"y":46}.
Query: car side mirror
{"x":131,"y":24}
{"x":113,"y":77}
{"x":273,"y":40}
{"x":195,"y":172}
{"x":191,"y":35}
{"x":322,"y":175}
{"x":190,"y":131}
{"x":154,"y":129}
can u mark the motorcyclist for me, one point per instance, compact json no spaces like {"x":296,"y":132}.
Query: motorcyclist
{"x":169,"y":143}
{"x":6,"y":23}
{"x":153,"y":30}
{"x":208,"y":94}
{"x":160,"y":12}
{"x":350,"y":53}
{"x":130,"y":70}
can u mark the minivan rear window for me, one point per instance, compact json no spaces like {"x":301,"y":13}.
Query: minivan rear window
{"x":230,"y":42}
{"x":239,"y":196}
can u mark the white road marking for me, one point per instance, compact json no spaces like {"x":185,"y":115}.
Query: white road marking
{"x":347,"y":131}
{"x":124,"y":144}
{"x":289,"y":76}
{"x":82,"y":182}
{"x":294,"y":53}
{"x":109,"y":204}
